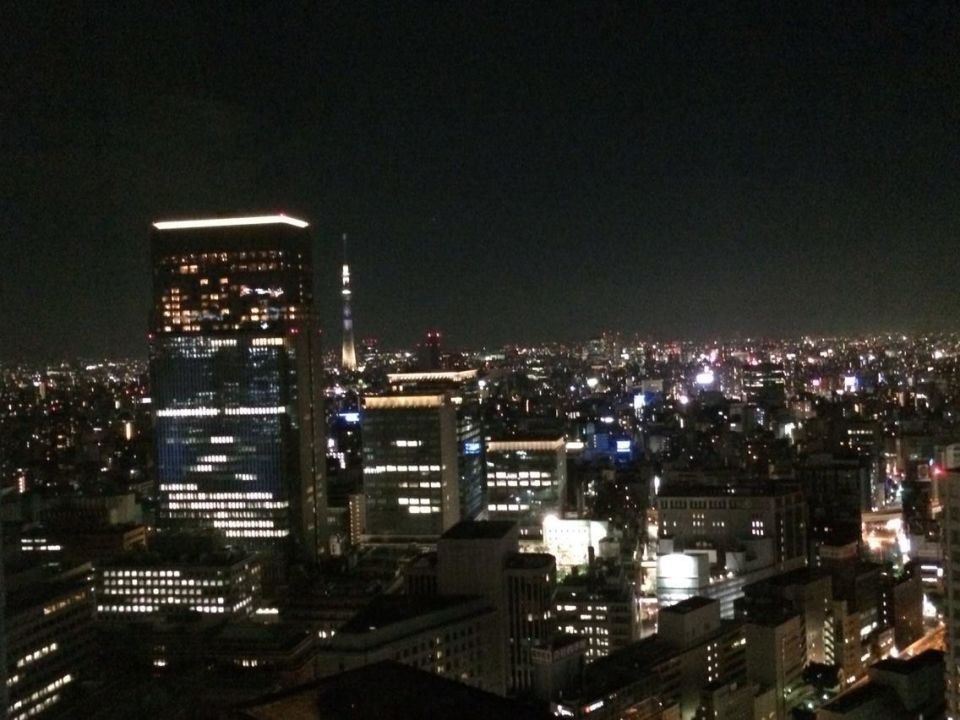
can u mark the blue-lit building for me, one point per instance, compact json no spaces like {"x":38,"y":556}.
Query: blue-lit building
{"x":235,"y":383}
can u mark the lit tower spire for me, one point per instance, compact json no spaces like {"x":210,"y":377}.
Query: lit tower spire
{"x":349,"y":354}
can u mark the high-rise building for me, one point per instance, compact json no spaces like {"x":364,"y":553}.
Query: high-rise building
{"x":901,"y":605}
{"x":837,"y":490}
{"x":423,"y":467}
{"x":806,"y":591}
{"x":765,"y":384}
{"x":348,"y":354}
{"x":50,"y":642}
{"x":603,"y":614}
{"x":482,"y":558}
{"x":236,"y":382}
{"x":526,"y":480}
{"x":776,"y":656}
{"x":430,"y":352}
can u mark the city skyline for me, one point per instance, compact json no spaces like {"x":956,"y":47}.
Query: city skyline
{"x":636,"y":393}
{"x":669,"y":170}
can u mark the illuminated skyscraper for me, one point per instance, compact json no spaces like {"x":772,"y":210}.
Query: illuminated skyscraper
{"x":348,"y":353}
{"x":236,"y":382}
{"x":423,"y":460}
{"x":526,"y":481}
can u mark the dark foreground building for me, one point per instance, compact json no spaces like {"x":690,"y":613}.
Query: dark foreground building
{"x":386,"y":691}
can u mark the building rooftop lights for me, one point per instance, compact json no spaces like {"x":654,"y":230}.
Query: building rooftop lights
{"x":454,"y":375}
{"x":230,"y":222}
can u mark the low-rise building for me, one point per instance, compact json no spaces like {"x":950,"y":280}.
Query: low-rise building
{"x":375,"y":692}
{"x":722,"y":517}
{"x":448,"y":636}
{"x":897,"y":689}
{"x":722,"y":576}
{"x":606,"y":616}
{"x":145,"y":585}
{"x":663,"y":674}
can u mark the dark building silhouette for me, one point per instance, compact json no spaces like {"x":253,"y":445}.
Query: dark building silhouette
{"x":429,"y":358}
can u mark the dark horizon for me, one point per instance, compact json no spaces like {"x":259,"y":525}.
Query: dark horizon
{"x":504,"y":174}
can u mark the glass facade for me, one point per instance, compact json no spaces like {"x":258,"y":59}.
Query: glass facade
{"x":235,"y":385}
{"x":473,"y":477}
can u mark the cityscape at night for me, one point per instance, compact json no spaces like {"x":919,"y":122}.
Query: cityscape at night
{"x":596,"y":361}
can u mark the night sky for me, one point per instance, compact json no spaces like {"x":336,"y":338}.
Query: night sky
{"x":510,"y":172}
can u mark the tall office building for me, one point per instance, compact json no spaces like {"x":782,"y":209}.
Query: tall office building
{"x":765,"y":384}
{"x":348,"y":353}
{"x":50,"y":641}
{"x":482,"y":558}
{"x":837,"y":490}
{"x":236,"y":383}
{"x":526,"y":480}
{"x":423,"y":468}
{"x":777,"y":655}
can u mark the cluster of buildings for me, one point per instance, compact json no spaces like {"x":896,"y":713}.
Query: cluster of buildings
{"x":620,"y":528}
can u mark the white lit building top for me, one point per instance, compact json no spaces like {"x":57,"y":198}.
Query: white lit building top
{"x":437,"y":376}
{"x":230,"y":222}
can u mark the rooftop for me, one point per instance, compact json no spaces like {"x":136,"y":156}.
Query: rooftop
{"x":402,"y":402}
{"x":255,"y":636}
{"x":386,"y":691}
{"x":689,"y":605}
{"x":531,"y":561}
{"x":432,"y":376}
{"x":771,"y":617}
{"x":559,"y":641}
{"x":908,"y":666}
{"x":800,"y":576}
{"x":221,"y":558}
{"x":681,"y":489}
{"x":479,"y":530}
{"x":230,"y":222}
{"x":633,"y":663}
{"x":526,"y":444}
{"x":386,"y":610}
{"x":868,"y":694}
